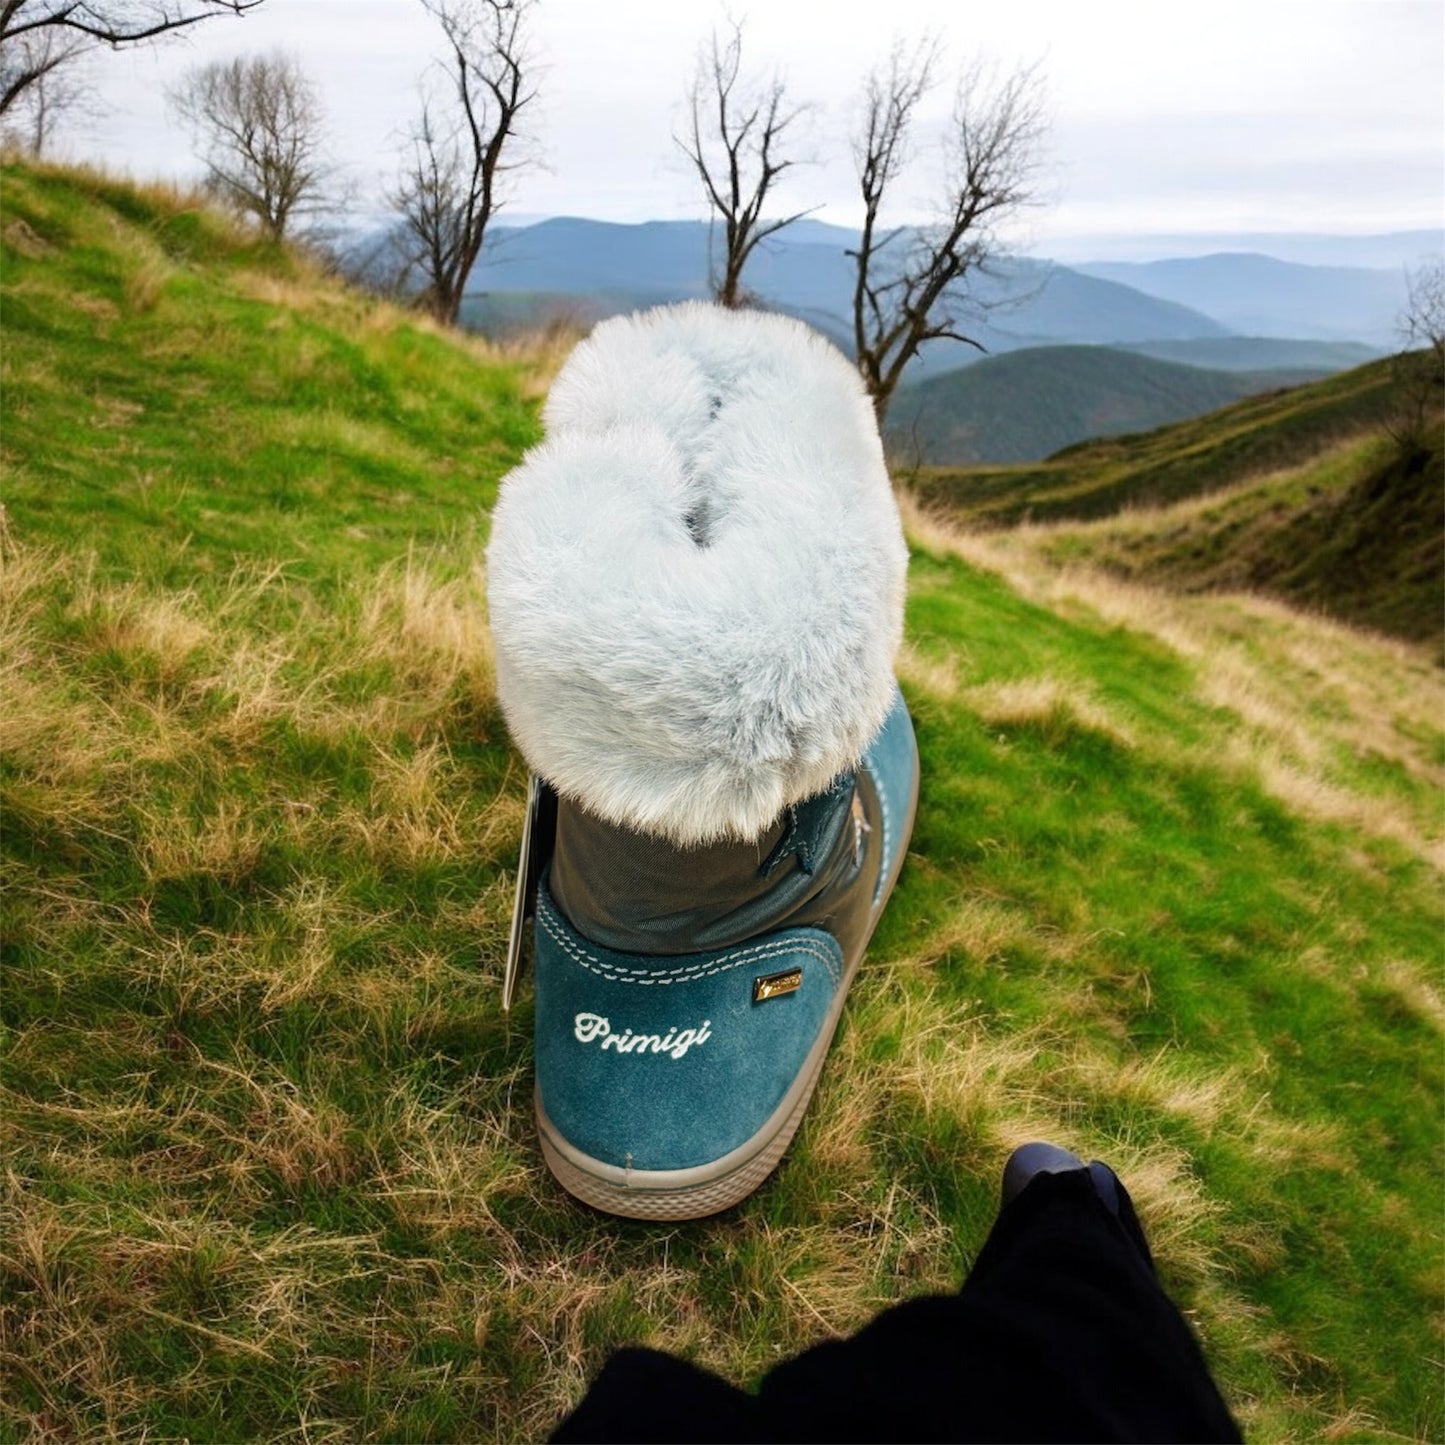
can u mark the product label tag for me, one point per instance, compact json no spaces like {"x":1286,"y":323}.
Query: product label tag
{"x":539,"y":831}
{"x":775,"y":985}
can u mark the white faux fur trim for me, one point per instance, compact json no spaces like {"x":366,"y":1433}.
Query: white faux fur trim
{"x":696,"y":582}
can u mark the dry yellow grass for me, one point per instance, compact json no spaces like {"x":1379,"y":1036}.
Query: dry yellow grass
{"x":541,"y":354}
{"x":1418,"y":995}
{"x":434,"y":632}
{"x":1311,"y":695}
{"x":1045,"y":700}
{"x":1009,"y":1087}
{"x":447,"y":1171}
{"x":936,"y":674}
{"x":442,"y":1168}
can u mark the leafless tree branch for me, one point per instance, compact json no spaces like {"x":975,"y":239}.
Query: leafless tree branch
{"x":450,"y":185}
{"x":24,"y":23}
{"x":1422,"y":322}
{"x":54,"y":87}
{"x":734,"y":142}
{"x":1419,"y":369}
{"x":911,"y":286}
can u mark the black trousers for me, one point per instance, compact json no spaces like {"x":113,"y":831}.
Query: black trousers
{"x":1060,"y":1333}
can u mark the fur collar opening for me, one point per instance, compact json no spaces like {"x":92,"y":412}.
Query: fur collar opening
{"x":696,"y":581}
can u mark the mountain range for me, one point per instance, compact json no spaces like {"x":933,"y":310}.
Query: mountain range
{"x":592,"y":269}
{"x":595,"y":268}
{"x":1381,"y":251}
{"x":1257,"y":295}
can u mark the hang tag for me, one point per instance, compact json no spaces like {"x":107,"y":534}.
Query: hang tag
{"x":539,"y":832}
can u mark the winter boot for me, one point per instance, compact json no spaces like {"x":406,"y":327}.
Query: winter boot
{"x":696,"y":592}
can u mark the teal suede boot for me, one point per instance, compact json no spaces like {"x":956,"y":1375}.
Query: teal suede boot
{"x":696,"y":590}
{"x":669,"y":1084}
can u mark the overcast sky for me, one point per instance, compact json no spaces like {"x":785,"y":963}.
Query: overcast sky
{"x":1166,"y":115}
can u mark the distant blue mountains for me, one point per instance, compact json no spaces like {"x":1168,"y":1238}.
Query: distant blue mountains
{"x":1240,"y":322}
{"x":592,"y":269}
{"x":1253,"y":295}
{"x":806,"y":270}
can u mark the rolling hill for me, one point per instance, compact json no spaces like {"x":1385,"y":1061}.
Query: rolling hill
{"x":1185,"y":459}
{"x":1358,"y":533}
{"x":269,"y":1169}
{"x":1308,"y":496}
{"x":1029,"y":404}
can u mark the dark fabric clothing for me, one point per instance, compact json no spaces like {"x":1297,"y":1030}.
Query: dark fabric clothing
{"x":1060,"y":1333}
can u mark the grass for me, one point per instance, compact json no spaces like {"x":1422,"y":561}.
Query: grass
{"x":1357,"y":532}
{"x":269,"y":1173}
{"x":1187,"y":459}
{"x":1318,"y":496}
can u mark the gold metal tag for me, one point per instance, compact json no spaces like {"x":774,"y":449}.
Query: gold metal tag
{"x":774,"y":985}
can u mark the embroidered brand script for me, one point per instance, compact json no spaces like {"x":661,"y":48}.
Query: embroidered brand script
{"x":594,"y":1029}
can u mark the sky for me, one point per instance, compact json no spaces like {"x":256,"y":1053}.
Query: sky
{"x":1165,"y":116}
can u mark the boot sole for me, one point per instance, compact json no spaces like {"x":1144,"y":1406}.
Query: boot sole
{"x":709,"y":1188}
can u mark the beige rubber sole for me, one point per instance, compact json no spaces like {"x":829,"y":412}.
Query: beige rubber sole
{"x":663,"y":1194}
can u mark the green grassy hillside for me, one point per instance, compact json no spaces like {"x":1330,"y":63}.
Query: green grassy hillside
{"x":1026,"y":405}
{"x":1311,"y":496}
{"x":1358,"y":533}
{"x":269,"y":1172}
{"x":1188,"y":459}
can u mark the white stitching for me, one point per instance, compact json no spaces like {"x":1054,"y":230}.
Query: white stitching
{"x":682,"y":971}
{"x":777,"y":949}
{"x":758,"y":954}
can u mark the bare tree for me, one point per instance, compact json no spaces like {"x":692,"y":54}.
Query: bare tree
{"x":59,"y":88}
{"x":259,"y":122}
{"x":734,"y":143}
{"x":1419,"y":369}
{"x":912,"y":282}
{"x":1422,"y":322}
{"x":450,"y":186}
{"x":72,"y":26}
